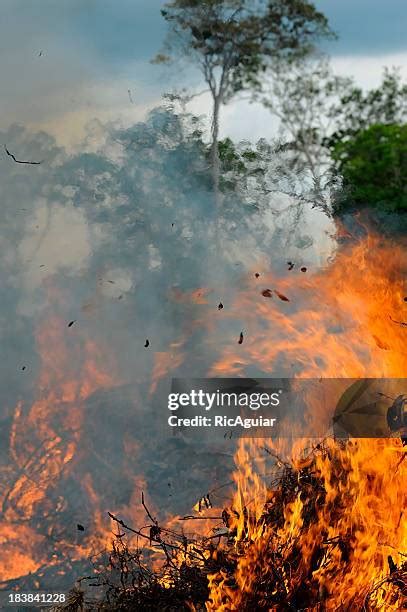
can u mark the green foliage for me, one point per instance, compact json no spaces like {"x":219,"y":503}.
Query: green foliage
{"x":229,"y":157}
{"x":239,"y":164}
{"x":357,"y":110}
{"x":373,"y":165}
{"x":321,"y":112}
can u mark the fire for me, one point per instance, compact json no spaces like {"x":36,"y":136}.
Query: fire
{"x":340,"y":535}
{"x":45,"y":441}
{"x":341,"y":554}
{"x":344,"y":320}
{"x":164,"y":361}
{"x":341,"y":320}
{"x":16,"y":560}
{"x":167,"y":361}
{"x":333,"y":537}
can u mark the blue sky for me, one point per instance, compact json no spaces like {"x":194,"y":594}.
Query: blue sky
{"x":367,"y":27}
{"x":125,"y":30}
{"x":93,"y":51}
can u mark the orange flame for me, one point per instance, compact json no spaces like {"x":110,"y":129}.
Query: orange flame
{"x":44,"y":442}
{"x":340,"y":321}
{"x":345,"y":320}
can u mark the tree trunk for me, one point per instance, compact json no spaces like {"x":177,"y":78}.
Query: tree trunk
{"x":215,"y":170}
{"x":215,"y":161}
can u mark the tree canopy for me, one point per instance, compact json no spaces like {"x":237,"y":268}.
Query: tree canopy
{"x":239,"y":37}
{"x":233,"y":42}
{"x":323,"y":116}
{"x":373,"y":165}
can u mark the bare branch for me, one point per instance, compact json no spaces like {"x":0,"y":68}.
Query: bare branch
{"x":19,"y":161}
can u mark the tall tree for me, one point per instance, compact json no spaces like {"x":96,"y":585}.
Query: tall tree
{"x":358,"y":110}
{"x":319,"y":110}
{"x":234,"y":41}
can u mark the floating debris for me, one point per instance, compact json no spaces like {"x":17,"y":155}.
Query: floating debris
{"x":19,"y":161}
{"x":303,"y":269}
{"x":267,"y":293}
{"x":382,"y":345}
{"x":71,"y":323}
{"x":240,"y":341}
{"x":281,"y":296}
{"x":147,"y":344}
{"x":220,"y":307}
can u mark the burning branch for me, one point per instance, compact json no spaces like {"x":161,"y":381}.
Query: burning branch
{"x":287,"y":551}
{"x":152,"y":537}
{"x":401,"y":323}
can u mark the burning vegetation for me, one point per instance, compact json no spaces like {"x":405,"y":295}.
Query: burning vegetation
{"x":206,"y":242}
{"x":316,"y":533}
{"x":318,"y":525}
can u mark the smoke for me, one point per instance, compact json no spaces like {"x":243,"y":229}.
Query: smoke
{"x":119,"y":243}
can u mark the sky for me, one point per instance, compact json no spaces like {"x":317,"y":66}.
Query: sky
{"x":64,"y":63}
